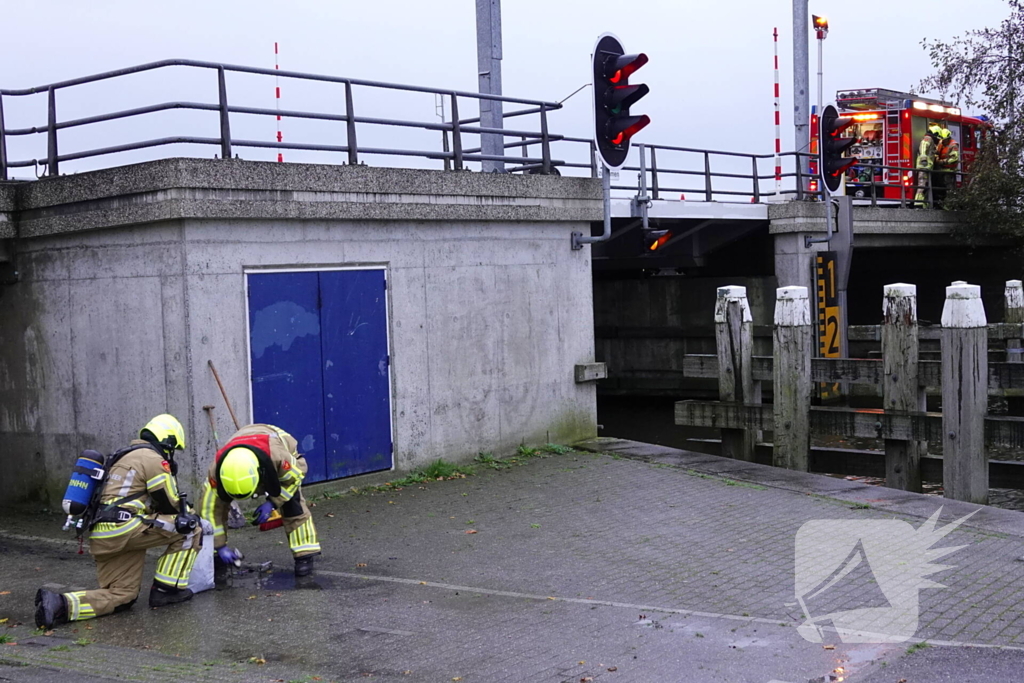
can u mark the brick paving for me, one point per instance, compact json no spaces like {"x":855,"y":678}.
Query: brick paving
{"x":628,"y":550}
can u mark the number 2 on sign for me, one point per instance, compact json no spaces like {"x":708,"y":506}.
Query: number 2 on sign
{"x":831,"y":346}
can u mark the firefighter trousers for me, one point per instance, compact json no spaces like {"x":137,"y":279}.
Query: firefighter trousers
{"x":120,"y":559}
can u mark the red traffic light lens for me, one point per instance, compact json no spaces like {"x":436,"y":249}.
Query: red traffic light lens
{"x":637,"y":123}
{"x":660,"y":242}
{"x":837,"y":126}
{"x":626,"y":65}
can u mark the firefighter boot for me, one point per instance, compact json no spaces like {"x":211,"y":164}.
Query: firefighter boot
{"x":221,"y":574}
{"x":304,"y":565}
{"x":51,"y":610}
{"x":161,"y":596}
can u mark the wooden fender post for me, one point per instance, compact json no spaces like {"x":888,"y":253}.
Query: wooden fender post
{"x":964,"y":394}
{"x":734,"y":337}
{"x":901,"y":391}
{"x":793,"y":344}
{"x":1013,"y":312}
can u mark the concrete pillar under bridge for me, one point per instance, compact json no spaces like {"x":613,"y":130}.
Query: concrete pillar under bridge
{"x":890,"y":245}
{"x":874,"y":228}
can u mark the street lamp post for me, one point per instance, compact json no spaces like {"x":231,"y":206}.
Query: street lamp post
{"x":821,"y":29}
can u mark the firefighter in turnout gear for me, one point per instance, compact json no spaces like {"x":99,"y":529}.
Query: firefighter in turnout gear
{"x":947,"y":162}
{"x":926,"y":164}
{"x":139,"y":508}
{"x":259,"y":459}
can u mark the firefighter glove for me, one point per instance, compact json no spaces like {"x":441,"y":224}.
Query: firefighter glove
{"x":230,"y":555}
{"x":263,"y":513}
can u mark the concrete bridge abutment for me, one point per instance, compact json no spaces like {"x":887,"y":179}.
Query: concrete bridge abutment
{"x":131,"y":279}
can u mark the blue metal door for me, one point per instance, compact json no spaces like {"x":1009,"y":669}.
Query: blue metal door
{"x":320,"y":366}
{"x":284,"y":346}
{"x":357,"y":395}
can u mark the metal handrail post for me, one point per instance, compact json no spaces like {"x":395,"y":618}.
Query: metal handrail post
{"x":654,"y":173}
{"x":350,"y":127}
{"x":545,"y":142}
{"x":707,"y":176}
{"x":51,"y":132}
{"x":642,"y":200}
{"x":757,"y":184}
{"x":225,"y":119}
{"x":456,"y":133}
{"x":799,"y":178}
{"x":3,"y":142}
{"x":593,"y":159}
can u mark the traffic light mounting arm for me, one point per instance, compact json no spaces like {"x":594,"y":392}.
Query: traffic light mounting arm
{"x":578,"y":238}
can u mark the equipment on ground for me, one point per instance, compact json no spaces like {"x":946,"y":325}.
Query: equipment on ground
{"x":275,"y":520}
{"x":267,"y":517}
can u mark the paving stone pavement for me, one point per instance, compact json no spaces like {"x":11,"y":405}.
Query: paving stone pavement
{"x":582,"y":566}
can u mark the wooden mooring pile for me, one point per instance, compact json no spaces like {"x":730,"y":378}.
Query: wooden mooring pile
{"x":964,"y":375}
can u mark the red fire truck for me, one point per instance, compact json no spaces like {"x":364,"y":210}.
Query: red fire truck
{"x":888,"y":126}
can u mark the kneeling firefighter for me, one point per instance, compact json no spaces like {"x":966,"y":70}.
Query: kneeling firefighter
{"x":259,"y":459}
{"x":136,"y":507}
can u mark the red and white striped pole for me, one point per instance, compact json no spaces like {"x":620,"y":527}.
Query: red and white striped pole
{"x":277,"y":97}
{"x":778,"y":122}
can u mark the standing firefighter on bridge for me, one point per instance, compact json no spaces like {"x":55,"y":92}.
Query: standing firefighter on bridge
{"x":138,"y":508}
{"x":938,"y":158}
{"x":260,"y":459}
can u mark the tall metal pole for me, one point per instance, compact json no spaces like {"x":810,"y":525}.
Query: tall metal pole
{"x":821,"y":32}
{"x":821,"y":95}
{"x":488,"y":60}
{"x":778,"y":121}
{"x":801,"y":78}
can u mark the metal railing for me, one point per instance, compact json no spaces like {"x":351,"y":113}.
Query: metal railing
{"x":720,"y":175}
{"x":456,"y":157}
{"x":916,"y":186}
{"x":754,"y":183}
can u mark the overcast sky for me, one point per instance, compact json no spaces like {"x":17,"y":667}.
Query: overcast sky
{"x":710,"y":69}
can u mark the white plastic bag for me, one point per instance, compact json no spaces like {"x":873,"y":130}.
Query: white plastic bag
{"x":236,"y":520}
{"x":201,"y":578}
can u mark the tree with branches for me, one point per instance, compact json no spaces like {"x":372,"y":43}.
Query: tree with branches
{"x":984,"y":69}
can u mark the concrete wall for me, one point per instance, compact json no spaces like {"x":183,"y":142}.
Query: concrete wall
{"x":132,"y":279}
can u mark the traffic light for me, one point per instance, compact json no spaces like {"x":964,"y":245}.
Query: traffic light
{"x":655,"y":239}
{"x":833,"y":163}
{"x":613,"y":96}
